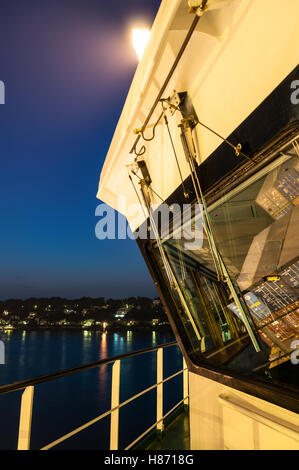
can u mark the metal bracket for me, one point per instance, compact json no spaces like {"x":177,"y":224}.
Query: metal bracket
{"x":200,"y":7}
{"x":197,"y":7}
{"x":144,"y":170}
{"x":180,"y":101}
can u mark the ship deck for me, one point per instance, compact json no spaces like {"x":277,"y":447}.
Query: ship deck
{"x":176,"y":435}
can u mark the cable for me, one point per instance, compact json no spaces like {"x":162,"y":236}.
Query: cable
{"x":163,"y":200}
{"x":237,"y":148}
{"x":138,"y":197}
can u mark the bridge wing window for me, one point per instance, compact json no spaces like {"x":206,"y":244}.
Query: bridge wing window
{"x":255,"y":227}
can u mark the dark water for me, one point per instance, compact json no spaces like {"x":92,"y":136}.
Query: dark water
{"x":62,"y":405}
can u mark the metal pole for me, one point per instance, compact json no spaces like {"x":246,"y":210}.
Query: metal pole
{"x":185,"y":385}
{"x":115,"y":403}
{"x":168,"y":78}
{"x":25,"y":419}
{"x":212,"y":242}
{"x":160,"y":425}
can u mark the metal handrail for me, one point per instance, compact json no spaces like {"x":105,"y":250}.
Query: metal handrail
{"x":108,"y":412}
{"x":56,"y":375}
{"x":260,"y":416}
{"x":155,"y":424}
{"x":27,"y":397}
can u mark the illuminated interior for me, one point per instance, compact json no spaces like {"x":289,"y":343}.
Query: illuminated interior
{"x":255,"y":230}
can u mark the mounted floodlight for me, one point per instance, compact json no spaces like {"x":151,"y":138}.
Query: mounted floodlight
{"x":140,"y":38}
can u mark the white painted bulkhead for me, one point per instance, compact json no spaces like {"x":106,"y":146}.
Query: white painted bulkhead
{"x":223,"y":418}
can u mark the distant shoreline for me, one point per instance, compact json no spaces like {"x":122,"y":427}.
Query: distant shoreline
{"x":90,"y":328}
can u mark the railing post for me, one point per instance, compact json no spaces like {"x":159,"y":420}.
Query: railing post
{"x":115,"y":402}
{"x":160,"y":425}
{"x":25,"y":419}
{"x":185,"y":385}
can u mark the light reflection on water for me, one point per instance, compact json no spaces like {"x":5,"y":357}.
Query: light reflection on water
{"x":154,"y":338}
{"x":103,"y":370}
{"x":67,"y":403}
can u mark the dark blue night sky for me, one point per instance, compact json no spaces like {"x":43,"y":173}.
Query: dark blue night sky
{"x":67,"y":66}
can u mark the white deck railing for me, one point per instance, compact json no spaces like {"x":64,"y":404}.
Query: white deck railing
{"x":28,"y":395}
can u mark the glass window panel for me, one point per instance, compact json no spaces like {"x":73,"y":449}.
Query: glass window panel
{"x":255,"y":228}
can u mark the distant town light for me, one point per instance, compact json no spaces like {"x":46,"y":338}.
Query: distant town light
{"x":140,"y":38}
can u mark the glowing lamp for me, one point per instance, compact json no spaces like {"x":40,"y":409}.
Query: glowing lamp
{"x":140,"y":38}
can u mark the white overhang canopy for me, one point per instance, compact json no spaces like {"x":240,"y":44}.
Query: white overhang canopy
{"x":220,"y":70}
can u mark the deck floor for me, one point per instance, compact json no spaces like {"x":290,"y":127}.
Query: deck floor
{"x":176,"y":435}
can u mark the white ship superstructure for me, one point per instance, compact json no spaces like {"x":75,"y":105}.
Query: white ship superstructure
{"x":211,"y":118}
